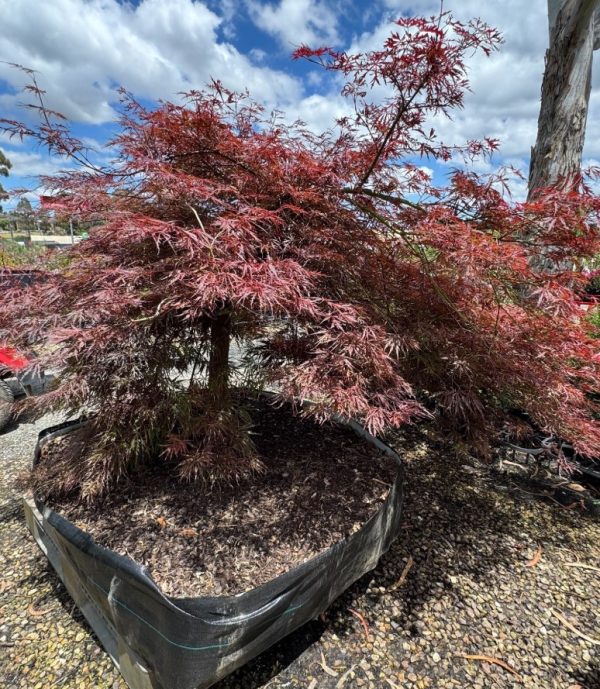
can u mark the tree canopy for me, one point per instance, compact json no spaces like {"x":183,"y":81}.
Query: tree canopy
{"x":346,"y":274}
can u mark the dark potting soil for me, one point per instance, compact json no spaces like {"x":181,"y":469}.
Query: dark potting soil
{"x":322,"y":482}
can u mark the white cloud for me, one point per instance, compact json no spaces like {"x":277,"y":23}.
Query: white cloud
{"x":35,"y":163}
{"x":84,"y":48}
{"x":294,"y":22}
{"x":9,"y":141}
{"x":257,"y":55}
{"x":320,"y":112}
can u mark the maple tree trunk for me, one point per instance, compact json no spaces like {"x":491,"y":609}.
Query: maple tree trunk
{"x":218,"y":366}
{"x":565,"y":93}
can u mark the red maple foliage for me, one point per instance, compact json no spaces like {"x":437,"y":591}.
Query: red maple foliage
{"x":331,"y":260}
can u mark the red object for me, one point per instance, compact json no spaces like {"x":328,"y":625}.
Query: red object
{"x":588,"y":303}
{"x":11,"y":359}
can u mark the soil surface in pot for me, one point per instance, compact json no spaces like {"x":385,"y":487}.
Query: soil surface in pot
{"x":322,"y":482}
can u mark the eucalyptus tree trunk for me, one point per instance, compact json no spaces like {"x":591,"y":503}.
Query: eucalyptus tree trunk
{"x":574,"y":35}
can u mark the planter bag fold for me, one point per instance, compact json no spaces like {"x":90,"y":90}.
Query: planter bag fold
{"x":159,"y":642}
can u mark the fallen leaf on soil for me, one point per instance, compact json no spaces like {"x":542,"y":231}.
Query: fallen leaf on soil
{"x":574,"y":505}
{"x":363,"y":621}
{"x":574,"y":629}
{"x":583,"y":566}
{"x":577,"y":487}
{"x":330,"y":671}
{"x":342,"y":680}
{"x":575,"y":686}
{"x":493,"y":661}
{"x":409,"y":563}
{"x":536,"y":558}
{"x":35,"y":612}
{"x":188,"y":533}
{"x":161,"y":521}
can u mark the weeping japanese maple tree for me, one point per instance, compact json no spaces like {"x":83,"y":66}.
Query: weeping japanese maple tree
{"x":331,"y":262}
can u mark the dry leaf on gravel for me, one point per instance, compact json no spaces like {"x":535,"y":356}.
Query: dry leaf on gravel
{"x":493,"y":661}
{"x":161,"y":521}
{"x":536,"y":558}
{"x":363,"y":621}
{"x":188,"y":533}
{"x":409,"y":563}
{"x":330,"y":671}
{"x":36,"y":612}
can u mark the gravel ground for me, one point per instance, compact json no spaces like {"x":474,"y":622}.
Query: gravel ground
{"x":482,"y":568}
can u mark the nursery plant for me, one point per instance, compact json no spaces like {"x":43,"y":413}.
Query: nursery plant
{"x":339,"y":269}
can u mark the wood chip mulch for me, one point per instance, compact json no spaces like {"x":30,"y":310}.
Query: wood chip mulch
{"x":322,"y":482}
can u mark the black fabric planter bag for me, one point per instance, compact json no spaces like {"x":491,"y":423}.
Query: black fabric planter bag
{"x":160,"y":642}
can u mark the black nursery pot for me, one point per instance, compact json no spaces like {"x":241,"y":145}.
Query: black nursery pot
{"x":159,"y":642}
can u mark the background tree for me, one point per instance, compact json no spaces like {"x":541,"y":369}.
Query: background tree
{"x":5,"y":166}
{"x":566,"y":87}
{"x":24,"y":207}
{"x":24,"y":216}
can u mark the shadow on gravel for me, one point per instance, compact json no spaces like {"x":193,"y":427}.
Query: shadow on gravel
{"x":42,"y":574}
{"x":258,"y":672}
{"x":11,"y":512}
{"x":44,"y":577}
{"x":465,"y":521}
{"x":17,"y":420}
{"x":589,"y":679}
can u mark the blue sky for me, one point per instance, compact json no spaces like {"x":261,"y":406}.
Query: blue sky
{"x":83,"y":49}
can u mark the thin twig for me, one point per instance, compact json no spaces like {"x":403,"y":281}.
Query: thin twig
{"x":491,"y":660}
{"x":363,"y":621}
{"x":409,"y":563}
{"x":574,"y":629}
{"x":394,"y":200}
{"x":330,"y":671}
{"x":582,"y":565}
{"x":402,"y":110}
{"x":342,"y":680}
